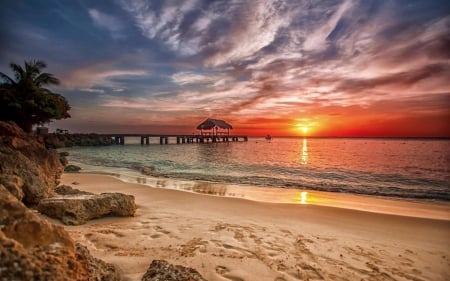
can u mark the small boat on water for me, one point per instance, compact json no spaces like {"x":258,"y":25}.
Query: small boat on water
{"x":268,"y":137}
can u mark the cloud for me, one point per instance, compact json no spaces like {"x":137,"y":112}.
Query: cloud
{"x":108,"y":22}
{"x":254,"y":27}
{"x":90,"y":90}
{"x":186,"y":78}
{"x":99,"y":75}
{"x":165,"y":23}
{"x":317,"y":39}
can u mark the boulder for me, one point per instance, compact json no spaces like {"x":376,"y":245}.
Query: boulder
{"x":162,"y":270}
{"x":68,"y":190}
{"x":97,"y":269}
{"x":26,"y":157}
{"x":77,"y":209}
{"x":63,"y":158}
{"x":146,"y":171}
{"x":72,"y":168}
{"x":32,"y":248}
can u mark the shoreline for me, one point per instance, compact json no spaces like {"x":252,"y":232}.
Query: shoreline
{"x":228,"y":238}
{"x":410,"y":207}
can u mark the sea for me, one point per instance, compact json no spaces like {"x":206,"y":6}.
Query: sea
{"x":398,"y":168}
{"x":415,"y":169}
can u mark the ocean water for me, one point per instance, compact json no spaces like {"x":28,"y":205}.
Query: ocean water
{"x":402,"y":168}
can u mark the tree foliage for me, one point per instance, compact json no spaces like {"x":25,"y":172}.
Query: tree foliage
{"x":24,"y":100}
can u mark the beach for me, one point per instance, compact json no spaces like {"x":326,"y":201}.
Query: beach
{"x":237,"y":239}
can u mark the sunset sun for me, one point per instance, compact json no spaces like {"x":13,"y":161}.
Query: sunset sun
{"x":302,"y":129}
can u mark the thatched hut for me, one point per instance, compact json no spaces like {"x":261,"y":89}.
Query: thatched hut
{"x":214,"y":127}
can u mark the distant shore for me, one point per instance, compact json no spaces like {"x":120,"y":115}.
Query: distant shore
{"x":235,"y":239}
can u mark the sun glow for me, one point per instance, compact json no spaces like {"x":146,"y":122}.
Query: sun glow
{"x":303,"y":129}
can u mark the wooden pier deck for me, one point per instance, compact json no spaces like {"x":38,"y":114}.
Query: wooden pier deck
{"x":180,"y":139}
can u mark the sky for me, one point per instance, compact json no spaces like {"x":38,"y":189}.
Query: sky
{"x":367,"y":68}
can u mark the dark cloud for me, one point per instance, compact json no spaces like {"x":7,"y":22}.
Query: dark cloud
{"x":402,"y":79}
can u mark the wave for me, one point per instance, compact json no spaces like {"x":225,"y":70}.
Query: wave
{"x":423,"y":183}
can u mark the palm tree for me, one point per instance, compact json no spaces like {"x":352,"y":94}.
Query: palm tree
{"x":25,"y":100}
{"x":31,"y":75}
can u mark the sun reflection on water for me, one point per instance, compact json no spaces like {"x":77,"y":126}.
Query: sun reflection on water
{"x":303,"y":197}
{"x":304,"y":159}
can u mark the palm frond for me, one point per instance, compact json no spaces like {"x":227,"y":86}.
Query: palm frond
{"x":19,"y":73}
{"x":31,"y":70}
{"x":46,"y":79}
{"x":39,"y":64}
{"x":7,"y":79}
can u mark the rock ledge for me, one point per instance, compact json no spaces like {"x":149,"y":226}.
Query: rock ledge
{"x":77,"y":209}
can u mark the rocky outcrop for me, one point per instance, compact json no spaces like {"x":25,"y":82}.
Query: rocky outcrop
{"x":26,"y":157}
{"x":162,"y":270}
{"x":13,"y":184}
{"x":32,"y":248}
{"x":68,"y":140}
{"x":77,"y":209}
{"x":68,"y":190}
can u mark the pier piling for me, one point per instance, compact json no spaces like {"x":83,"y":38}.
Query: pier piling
{"x":179,"y":139}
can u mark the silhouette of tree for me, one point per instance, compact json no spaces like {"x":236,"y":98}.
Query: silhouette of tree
{"x":24,"y":100}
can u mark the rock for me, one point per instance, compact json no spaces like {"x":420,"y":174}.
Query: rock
{"x":13,"y":184}
{"x":72,"y":168}
{"x":75,"y":210}
{"x":97,"y":269}
{"x":32,"y":248}
{"x":162,"y":270}
{"x":10,"y":129}
{"x":63,"y":158}
{"x":68,"y":190}
{"x":146,"y":171}
{"x":26,"y":157}
{"x":26,"y":227}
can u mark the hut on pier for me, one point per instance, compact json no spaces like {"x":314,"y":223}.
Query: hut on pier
{"x":214,"y":127}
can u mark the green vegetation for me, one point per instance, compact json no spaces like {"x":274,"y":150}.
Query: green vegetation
{"x":25,"y":101}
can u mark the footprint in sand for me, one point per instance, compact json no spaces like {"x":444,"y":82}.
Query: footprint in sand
{"x":161,"y":230}
{"x":301,"y":248}
{"x":225,"y":272}
{"x":109,"y":231}
{"x":309,"y":272}
{"x":188,"y":249}
{"x":222,"y":270}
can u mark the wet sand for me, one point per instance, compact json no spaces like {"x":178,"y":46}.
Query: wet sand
{"x":237,"y":239}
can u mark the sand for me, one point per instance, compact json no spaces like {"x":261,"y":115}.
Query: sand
{"x":237,"y":239}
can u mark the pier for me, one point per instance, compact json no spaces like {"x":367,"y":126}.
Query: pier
{"x":211,"y":131}
{"x":179,"y":139}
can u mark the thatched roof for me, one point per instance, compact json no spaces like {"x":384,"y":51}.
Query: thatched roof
{"x":208,"y":124}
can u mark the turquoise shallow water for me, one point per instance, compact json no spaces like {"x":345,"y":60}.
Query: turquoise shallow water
{"x":406,"y":168}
